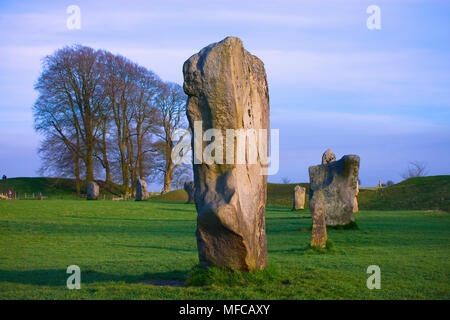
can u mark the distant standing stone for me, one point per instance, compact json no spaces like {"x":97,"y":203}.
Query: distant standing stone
{"x":355,"y":205}
{"x":333,"y":188}
{"x":92,"y":190}
{"x":189,"y":188}
{"x":299,"y":198}
{"x":328,"y":157}
{"x":141,"y":190}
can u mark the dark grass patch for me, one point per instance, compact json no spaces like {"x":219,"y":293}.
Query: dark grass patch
{"x":316,"y":250}
{"x":200,"y":276}
{"x":349,"y":226}
{"x":165,"y":283}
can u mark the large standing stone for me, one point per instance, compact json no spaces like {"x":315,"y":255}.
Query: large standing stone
{"x":92,"y":190}
{"x":334,"y":187}
{"x":189,"y":188}
{"x":141,"y":190}
{"x":299,"y":198}
{"x":227,"y":89}
{"x":328,"y":157}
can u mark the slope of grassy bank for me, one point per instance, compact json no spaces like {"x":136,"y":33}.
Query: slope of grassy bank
{"x":120,"y":245}
{"x":52,"y":187}
{"x":413,"y":194}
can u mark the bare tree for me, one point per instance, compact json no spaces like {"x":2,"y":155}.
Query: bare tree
{"x":171,"y":104}
{"x":145,"y":119}
{"x":101,"y":112}
{"x":70,"y":100}
{"x":182,"y":174}
{"x":58,"y":160}
{"x":415,"y":169}
{"x":285,"y":180}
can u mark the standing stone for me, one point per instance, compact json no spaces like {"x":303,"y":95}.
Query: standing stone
{"x":333,"y":187}
{"x":319,"y":229}
{"x":141,"y":190}
{"x":299,"y":198}
{"x":92,"y":190}
{"x":227,"y":89}
{"x":328,"y":157}
{"x":189,"y":188}
{"x":355,"y":204}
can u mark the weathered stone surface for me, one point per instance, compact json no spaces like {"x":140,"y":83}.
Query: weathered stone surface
{"x":328,"y":157}
{"x":227,"y":89}
{"x":141,"y":190}
{"x":189,"y":188}
{"x":319,"y":228}
{"x":299,"y":198}
{"x":333,"y":186}
{"x":92,"y":190}
{"x":355,"y":204}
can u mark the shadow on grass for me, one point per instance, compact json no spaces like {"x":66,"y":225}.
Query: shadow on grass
{"x":154,"y":247}
{"x":58,"y":277}
{"x":288,"y":218}
{"x":178,"y":210}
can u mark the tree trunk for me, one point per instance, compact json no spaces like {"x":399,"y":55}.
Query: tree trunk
{"x":105,"y":155}
{"x":90,"y":164}
{"x":168,"y":176}
{"x":77,"y":176}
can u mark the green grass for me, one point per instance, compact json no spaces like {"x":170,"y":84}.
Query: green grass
{"x":279,"y":194}
{"x":53,"y":187}
{"x":120,"y":244}
{"x":432,"y":193}
{"x":173,"y":196}
{"x":415,"y":193}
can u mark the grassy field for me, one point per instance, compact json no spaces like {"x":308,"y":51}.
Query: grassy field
{"x":53,"y":188}
{"x":119,"y":245}
{"x":413,"y":194}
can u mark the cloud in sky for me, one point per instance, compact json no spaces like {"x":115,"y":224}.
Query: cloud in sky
{"x":332,"y":82}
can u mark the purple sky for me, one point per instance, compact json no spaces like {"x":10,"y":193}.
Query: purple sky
{"x":333,"y":83}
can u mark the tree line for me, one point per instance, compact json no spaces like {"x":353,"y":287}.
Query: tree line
{"x":102,"y":115}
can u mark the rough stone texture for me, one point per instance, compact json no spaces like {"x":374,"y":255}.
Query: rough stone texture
{"x":333,"y":186}
{"x":189,"y":188}
{"x":141,"y":190}
{"x":328,"y":157}
{"x":355,"y":204}
{"x":299,"y":198}
{"x":92,"y":190}
{"x":227,"y":89}
{"x":319,"y":228}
